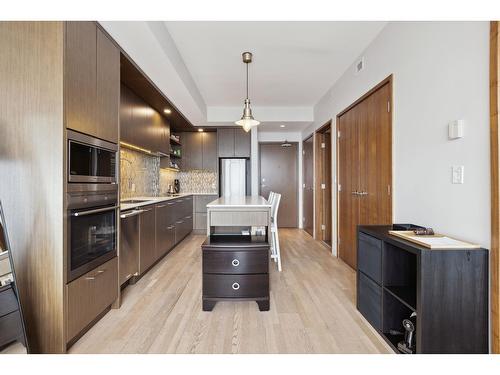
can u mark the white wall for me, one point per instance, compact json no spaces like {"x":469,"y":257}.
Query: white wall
{"x":440,"y":74}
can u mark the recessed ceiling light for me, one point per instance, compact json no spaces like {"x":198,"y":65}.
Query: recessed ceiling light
{"x":282,"y":126}
{"x":167,"y":111}
{"x":200,"y":130}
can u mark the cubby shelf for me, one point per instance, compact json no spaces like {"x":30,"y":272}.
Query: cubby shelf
{"x":407,"y":295}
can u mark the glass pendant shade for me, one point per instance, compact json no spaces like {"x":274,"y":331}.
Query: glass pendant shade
{"x":247,"y":120}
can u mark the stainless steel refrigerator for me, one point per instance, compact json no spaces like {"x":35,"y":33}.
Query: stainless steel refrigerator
{"x":234,"y":177}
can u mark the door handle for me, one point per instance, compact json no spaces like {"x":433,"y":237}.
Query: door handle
{"x":363,"y":193}
{"x":355,"y":192}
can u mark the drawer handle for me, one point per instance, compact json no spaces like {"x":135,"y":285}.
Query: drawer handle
{"x":235,"y":262}
{"x":235,"y":286}
{"x":90,"y":278}
{"x":170,"y":227}
{"x":179,"y":222}
{"x":161,"y":206}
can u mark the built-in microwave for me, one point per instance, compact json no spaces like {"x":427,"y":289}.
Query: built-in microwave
{"x":90,"y":160}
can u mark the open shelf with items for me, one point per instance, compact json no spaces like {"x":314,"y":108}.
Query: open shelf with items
{"x":395,"y":311}
{"x":446,"y":289}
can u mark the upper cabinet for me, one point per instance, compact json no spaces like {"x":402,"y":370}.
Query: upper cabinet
{"x":141,"y":125}
{"x":108,"y":88}
{"x":91,"y":81}
{"x":209,"y":151}
{"x":241,"y":143}
{"x":233,"y":142}
{"x":199,"y":150}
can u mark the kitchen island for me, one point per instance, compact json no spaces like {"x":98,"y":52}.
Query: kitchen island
{"x":236,"y":266}
{"x":238,"y":212}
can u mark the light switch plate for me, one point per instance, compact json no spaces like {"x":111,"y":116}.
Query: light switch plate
{"x":457,"y":174}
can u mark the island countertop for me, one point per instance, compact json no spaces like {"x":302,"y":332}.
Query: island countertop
{"x":241,"y":201}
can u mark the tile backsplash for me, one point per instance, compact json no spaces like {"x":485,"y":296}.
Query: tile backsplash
{"x":197,"y":181}
{"x":141,"y":175}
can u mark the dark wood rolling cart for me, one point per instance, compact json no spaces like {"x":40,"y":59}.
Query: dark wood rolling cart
{"x":447,"y":289}
{"x":235,"y":268}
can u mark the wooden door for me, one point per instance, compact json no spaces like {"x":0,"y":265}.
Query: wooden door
{"x":210,"y":151}
{"x":108,"y":88}
{"x":308,"y":185}
{"x":375,"y":142}
{"x":241,"y":143}
{"x":364,"y":168}
{"x":323,"y":177}
{"x":225,"y":143}
{"x":278,"y":173}
{"x":126,"y":104}
{"x":80,"y":77}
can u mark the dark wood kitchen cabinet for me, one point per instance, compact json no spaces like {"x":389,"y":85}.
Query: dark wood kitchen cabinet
{"x":233,"y":142}
{"x":80,"y":76}
{"x":209,"y":162}
{"x":91,"y":81}
{"x":141,"y":125}
{"x":199,"y":151}
{"x":108,"y":88}
{"x":192,"y":152}
{"x":165,"y":229}
{"x":90,"y":295}
{"x":147,"y":240}
{"x":241,"y":143}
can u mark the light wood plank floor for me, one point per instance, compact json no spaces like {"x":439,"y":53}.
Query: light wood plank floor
{"x":312,"y":309}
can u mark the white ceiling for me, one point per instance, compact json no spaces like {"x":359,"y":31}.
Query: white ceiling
{"x":295,"y":63}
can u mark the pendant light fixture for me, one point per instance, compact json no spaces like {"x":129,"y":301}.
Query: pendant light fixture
{"x":247,"y":121}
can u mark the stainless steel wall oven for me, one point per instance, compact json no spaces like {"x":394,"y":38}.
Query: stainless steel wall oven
{"x":92,"y":227}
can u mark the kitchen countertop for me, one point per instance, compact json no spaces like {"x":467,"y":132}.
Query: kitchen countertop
{"x":124,"y":206}
{"x":243,"y":201}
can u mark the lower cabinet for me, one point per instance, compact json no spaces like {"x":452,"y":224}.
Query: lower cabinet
{"x":148,"y":254}
{"x":369,"y":300}
{"x":89,"y":295}
{"x":200,"y":212}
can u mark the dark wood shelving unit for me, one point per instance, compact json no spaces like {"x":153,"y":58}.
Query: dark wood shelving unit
{"x":404,"y":294}
{"x":447,"y":289}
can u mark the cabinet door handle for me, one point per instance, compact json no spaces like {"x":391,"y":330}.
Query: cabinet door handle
{"x":235,"y":286}
{"x":161,"y":206}
{"x":179,"y":222}
{"x":90,"y":278}
{"x":235,"y":262}
{"x":171,"y":203}
{"x":170,"y":227}
{"x":99,"y":273}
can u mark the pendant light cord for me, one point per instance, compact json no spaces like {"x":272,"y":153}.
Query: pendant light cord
{"x":247,"y":79}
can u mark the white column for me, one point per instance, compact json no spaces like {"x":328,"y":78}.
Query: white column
{"x":254,"y":160}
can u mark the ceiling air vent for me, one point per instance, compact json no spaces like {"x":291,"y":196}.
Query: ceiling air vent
{"x":360,"y":65}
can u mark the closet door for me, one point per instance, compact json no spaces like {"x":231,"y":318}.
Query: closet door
{"x":348,"y":167}
{"x":375,"y":144}
{"x":364,"y":169}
